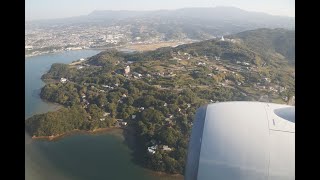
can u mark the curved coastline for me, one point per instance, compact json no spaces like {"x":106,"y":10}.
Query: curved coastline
{"x":97,"y":131}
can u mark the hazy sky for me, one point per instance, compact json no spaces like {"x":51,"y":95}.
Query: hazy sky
{"x":47,"y":9}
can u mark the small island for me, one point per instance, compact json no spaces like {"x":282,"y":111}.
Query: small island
{"x":155,"y":94}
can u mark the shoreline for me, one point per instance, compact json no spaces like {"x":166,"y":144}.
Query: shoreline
{"x":128,"y":138}
{"x":62,"y":51}
{"x":137,"y":47}
{"x":160,"y":173}
{"x":72,"y":132}
{"x":128,"y":142}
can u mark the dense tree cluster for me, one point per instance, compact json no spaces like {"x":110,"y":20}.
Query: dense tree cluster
{"x":62,"y":121}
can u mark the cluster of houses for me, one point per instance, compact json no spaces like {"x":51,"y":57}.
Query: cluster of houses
{"x":152,"y":149}
{"x":120,"y":123}
{"x":181,"y":56}
{"x":270,"y":88}
{"x":104,"y":115}
{"x":127,"y":71}
{"x":136,"y":75}
{"x":141,"y":109}
{"x":229,"y":40}
{"x":201,"y":63}
{"x":107,"y":86}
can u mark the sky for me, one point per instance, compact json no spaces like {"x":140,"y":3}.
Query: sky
{"x":50,"y":9}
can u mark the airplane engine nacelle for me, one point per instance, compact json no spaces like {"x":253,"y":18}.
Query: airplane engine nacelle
{"x":242,"y":140}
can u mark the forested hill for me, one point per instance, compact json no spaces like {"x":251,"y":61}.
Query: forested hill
{"x":270,"y":41}
{"x":272,"y":46}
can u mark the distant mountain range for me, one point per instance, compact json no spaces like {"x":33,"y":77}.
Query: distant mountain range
{"x":189,"y":21}
{"x":210,"y":14}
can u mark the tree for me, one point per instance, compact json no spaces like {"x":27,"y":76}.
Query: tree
{"x":112,"y":108}
{"x":95,"y":112}
{"x":129,"y":101}
{"x":169,"y":136}
{"x":101,"y":100}
{"x":152,"y":115}
{"x":156,"y":162}
{"x":171,"y":164}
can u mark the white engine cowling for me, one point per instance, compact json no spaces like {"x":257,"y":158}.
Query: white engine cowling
{"x":242,"y":140}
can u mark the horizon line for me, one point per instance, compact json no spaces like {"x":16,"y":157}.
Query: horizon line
{"x":42,"y":19}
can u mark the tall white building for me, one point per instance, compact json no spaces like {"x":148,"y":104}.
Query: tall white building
{"x":127,"y":70}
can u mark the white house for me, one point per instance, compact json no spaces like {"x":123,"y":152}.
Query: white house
{"x":82,"y":59}
{"x":105,"y":114}
{"x":133,"y":116}
{"x":63,"y":80}
{"x":102,"y":119}
{"x":124,"y":123}
{"x":152,"y":149}
{"x":127,"y":70}
{"x":201,"y":63}
{"x":267,"y":80}
{"x":166,"y":148}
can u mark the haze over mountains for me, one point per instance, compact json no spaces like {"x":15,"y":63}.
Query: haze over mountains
{"x":105,"y":29}
{"x":215,"y":20}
